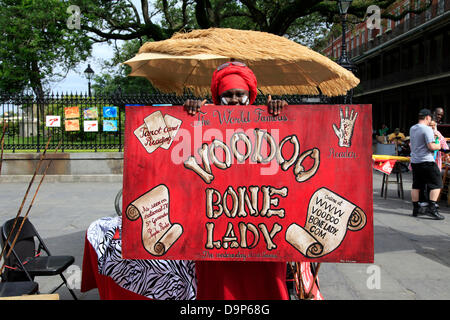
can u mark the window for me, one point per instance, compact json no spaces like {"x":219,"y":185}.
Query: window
{"x":416,"y":4}
{"x":363,"y":37}
{"x":428,"y":13}
{"x":416,"y":7}
{"x":405,"y":8}
{"x":388,"y":25}
{"x":380,"y":32}
{"x":397,"y":13}
{"x":441,"y":5}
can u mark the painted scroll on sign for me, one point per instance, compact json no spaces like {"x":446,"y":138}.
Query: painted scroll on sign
{"x":328,"y":218}
{"x":158,"y":234}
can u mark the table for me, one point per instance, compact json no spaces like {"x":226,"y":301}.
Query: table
{"x":126,"y":279}
{"x":386,"y":164}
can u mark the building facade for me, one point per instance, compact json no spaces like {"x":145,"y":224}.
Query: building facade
{"x":403,"y":66}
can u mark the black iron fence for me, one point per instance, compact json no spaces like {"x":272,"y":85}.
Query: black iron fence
{"x":81,"y":122}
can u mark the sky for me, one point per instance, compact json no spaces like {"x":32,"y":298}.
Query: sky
{"x":76,"y":80}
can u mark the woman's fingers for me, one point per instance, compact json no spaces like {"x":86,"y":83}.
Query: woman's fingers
{"x":275,"y":106}
{"x":193,"y":106}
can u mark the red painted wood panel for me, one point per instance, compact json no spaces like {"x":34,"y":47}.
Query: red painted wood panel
{"x":235,"y":183}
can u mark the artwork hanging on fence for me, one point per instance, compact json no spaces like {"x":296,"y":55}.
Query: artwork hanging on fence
{"x":110,"y":125}
{"x":109,"y":112}
{"x":90,"y":113}
{"x":71,"y":112}
{"x":238,"y":184}
{"x":53,"y":121}
{"x":90,"y":126}
{"x":72,"y":125}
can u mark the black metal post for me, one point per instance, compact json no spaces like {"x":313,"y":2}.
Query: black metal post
{"x":120,"y":106}
{"x":344,"y":60}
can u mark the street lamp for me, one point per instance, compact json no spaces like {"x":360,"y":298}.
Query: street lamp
{"x":89,"y":73}
{"x":343,"y":60}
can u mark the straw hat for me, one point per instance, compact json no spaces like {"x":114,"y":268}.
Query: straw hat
{"x":282,"y":66}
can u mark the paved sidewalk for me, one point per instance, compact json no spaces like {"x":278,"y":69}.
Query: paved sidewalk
{"x":412,"y":255}
{"x":62,"y":212}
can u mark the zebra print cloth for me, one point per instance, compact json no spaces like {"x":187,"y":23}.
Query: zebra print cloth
{"x":155,"y":279}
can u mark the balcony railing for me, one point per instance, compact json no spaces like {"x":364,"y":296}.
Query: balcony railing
{"x":407,"y":24}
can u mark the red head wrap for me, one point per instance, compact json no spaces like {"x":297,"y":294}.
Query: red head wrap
{"x":233,"y":77}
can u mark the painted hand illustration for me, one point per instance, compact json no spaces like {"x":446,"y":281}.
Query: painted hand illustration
{"x":345,"y":131}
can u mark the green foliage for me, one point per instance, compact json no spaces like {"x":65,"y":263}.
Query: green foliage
{"x":36,"y":45}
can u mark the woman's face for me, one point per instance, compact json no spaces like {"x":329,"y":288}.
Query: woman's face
{"x":433,"y":124}
{"x":235,"y":97}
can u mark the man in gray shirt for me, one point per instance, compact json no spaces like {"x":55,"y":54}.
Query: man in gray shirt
{"x":424,"y":169}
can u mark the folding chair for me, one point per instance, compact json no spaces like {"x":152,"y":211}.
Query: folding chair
{"x":18,"y":288}
{"x":26,"y":260}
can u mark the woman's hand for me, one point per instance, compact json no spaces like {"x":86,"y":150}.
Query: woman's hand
{"x":193,"y":106}
{"x":275,"y":106}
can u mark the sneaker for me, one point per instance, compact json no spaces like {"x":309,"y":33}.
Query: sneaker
{"x":421,"y":210}
{"x":433,"y":213}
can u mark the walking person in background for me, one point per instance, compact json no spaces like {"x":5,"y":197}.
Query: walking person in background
{"x":424,"y":169}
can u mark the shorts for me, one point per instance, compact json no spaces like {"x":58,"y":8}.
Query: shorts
{"x":426,"y":174}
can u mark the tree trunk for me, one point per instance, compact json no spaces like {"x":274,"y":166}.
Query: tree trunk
{"x":36,"y":86}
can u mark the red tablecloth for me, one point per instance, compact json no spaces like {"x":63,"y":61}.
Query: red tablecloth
{"x":221,"y":280}
{"x":120,"y":279}
{"x":117,"y":278}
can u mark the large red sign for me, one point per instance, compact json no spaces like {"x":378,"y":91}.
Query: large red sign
{"x":236,"y":183}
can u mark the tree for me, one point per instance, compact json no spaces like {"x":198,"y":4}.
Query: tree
{"x":36,"y":45}
{"x":159,"y":19}
{"x":304,"y":21}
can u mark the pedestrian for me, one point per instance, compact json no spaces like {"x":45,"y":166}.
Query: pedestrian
{"x":424,"y":169}
{"x":438,"y":114}
{"x":439,"y":138}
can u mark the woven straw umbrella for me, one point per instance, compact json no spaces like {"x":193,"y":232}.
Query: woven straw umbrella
{"x":188,"y":60}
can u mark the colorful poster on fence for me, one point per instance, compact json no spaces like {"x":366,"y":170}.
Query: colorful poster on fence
{"x":53,"y":121}
{"x":235,"y":183}
{"x":90,"y":113}
{"x":109,"y":112}
{"x":71,"y":112}
{"x":90,"y":125}
{"x":72,"y":125}
{"x":110,"y":125}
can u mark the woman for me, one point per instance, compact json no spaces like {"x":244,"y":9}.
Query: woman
{"x":233,"y":83}
{"x":441,"y":140}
